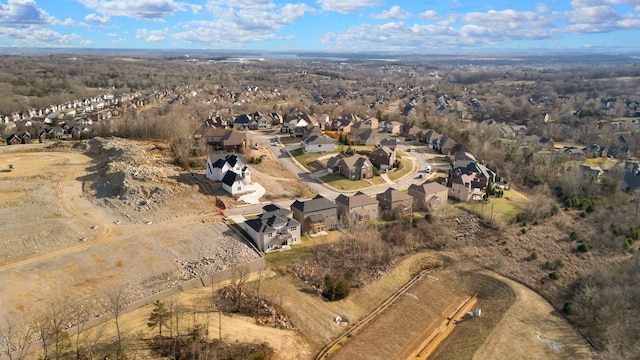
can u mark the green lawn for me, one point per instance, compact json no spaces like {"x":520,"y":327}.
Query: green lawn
{"x":278,"y":259}
{"x":309,"y":160}
{"x":406,"y":167}
{"x":339,"y":182}
{"x":498,"y":210}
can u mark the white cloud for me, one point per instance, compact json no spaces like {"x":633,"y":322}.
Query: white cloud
{"x":543,"y":8}
{"x":138,"y":9}
{"x":241,"y":22}
{"x":152,"y":35}
{"x":347,"y":6}
{"x":97,"y":19}
{"x":112,"y":35}
{"x":244,"y":4}
{"x":23,"y":13}
{"x":196,"y":9}
{"x":430,"y":15}
{"x":35,"y":37}
{"x":394,"y":13}
{"x":86,"y":42}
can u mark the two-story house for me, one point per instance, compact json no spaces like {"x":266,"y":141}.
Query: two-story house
{"x":274,"y":229}
{"x":359,"y":207}
{"x":315,"y":215}
{"x":383,"y":157}
{"x":428,"y":195}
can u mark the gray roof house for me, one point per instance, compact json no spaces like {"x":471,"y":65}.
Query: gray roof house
{"x":359,"y":207}
{"x":315,"y":215}
{"x":274,"y":229}
{"x":316,"y":143}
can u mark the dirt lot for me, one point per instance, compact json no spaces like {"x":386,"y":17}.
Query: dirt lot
{"x":105,"y":214}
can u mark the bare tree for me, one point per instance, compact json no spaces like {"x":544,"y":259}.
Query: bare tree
{"x":15,"y":337}
{"x":53,"y":324}
{"x":91,"y":337}
{"x":116,"y":300}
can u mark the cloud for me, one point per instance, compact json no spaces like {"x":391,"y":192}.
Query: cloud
{"x":392,"y":14}
{"x":345,"y":7}
{"x":152,"y":35}
{"x":23,"y":13}
{"x":97,"y":19}
{"x":112,"y":35}
{"x":35,"y":37}
{"x":543,"y":8}
{"x":86,"y":42}
{"x":241,"y":22}
{"x":138,"y":9}
{"x":430,"y":15}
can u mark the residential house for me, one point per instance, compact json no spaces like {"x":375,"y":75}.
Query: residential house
{"x":274,"y":229}
{"x":456,"y":149}
{"x":432,"y":139}
{"x":315,"y":215}
{"x":242,"y":121}
{"x":429,"y":195}
{"x":259,"y":122}
{"x":445,"y":145}
{"x":383,"y":157}
{"x":595,"y":151}
{"x":318,"y":143}
{"x":234,"y":183}
{"x":333,"y":165}
{"x":356,"y":167}
{"x":462,"y":159}
{"x":391,"y":127}
{"x":359,"y":207}
{"x":391,"y":143}
{"x":592,"y":172}
{"x":413,"y":132}
{"x":572,"y":152}
{"x":25,"y":136}
{"x":466,"y":187}
{"x":368,"y":137}
{"x":359,"y":127}
{"x":395,"y":200}
{"x":14,"y":139}
{"x":233,"y":141}
{"x":218,"y":169}
{"x":213,"y":137}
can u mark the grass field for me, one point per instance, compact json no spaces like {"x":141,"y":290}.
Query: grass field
{"x":498,"y":210}
{"x":309,"y":160}
{"x":406,"y":167}
{"x":339,"y":182}
{"x":279,"y":259}
{"x":604,"y":163}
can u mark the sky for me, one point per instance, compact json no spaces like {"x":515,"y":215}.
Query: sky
{"x":408,"y":26}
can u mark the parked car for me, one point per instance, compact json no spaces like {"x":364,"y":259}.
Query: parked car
{"x":501,"y":186}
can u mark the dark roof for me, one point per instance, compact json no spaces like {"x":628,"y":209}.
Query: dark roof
{"x":232,"y":138}
{"x":219,"y":163}
{"x":358,"y":199}
{"x":230,"y":178}
{"x":334,"y":160}
{"x":274,"y":210}
{"x":382,"y":150}
{"x":269,"y":224}
{"x":318,"y":140}
{"x":231,"y":159}
{"x":392,"y":143}
{"x":318,"y":203}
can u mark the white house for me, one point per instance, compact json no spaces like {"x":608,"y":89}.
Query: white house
{"x":217,"y":170}
{"x":234,"y":183}
{"x":317,"y":143}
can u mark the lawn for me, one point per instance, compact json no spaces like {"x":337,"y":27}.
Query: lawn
{"x":339,"y":182}
{"x":309,"y":160}
{"x":406,"y":165}
{"x":279,"y":259}
{"x":604,"y":163}
{"x":498,"y":210}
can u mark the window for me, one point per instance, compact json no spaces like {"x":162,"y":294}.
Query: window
{"x":239,"y":188}
{"x":270,"y":234}
{"x":293,"y":228}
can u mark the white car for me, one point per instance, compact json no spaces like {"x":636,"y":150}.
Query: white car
{"x":428,"y":169}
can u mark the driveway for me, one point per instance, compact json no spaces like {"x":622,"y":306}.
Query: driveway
{"x":254,"y":197}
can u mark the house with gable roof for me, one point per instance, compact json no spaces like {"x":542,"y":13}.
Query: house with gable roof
{"x":315,"y":215}
{"x":318,"y":143}
{"x":383,"y":157}
{"x":356,"y":167}
{"x":234,"y":174}
{"x":428,"y":195}
{"x":395,"y":200}
{"x":274,"y":229}
{"x":359,"y":207}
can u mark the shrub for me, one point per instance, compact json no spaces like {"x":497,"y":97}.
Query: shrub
{"x":533,"y":256}
{"x":573,"y":236}
{"x":554,"y":276}
{"x":583,"y":248}
{"x":559,"y":263}
{"x":567,"y":308}
{"x":335,"y":291}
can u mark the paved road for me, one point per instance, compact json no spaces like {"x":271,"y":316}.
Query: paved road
{"x":420,"y":156}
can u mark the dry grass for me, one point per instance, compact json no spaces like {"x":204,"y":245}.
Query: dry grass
{"x":499,"y":211}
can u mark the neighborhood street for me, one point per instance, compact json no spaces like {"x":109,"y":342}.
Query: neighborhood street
{"x":419,"y":155}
